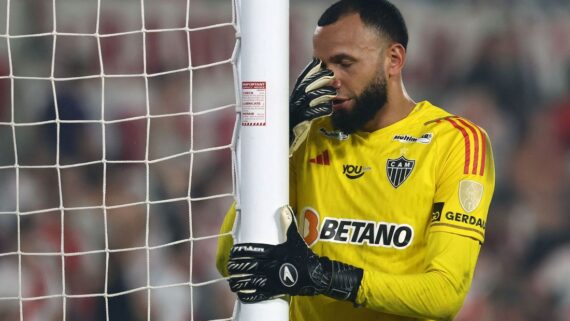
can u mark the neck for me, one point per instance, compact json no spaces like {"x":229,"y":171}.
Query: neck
{"x":398,"y":106}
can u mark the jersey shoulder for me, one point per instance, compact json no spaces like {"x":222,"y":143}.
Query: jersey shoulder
{"x":450,"y":127}
{"x":460,"y":138}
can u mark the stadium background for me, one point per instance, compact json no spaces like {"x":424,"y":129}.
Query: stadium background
{"x":502,"y":64}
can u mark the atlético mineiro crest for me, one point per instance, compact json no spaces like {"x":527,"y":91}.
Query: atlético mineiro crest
{"x":399,"y":170}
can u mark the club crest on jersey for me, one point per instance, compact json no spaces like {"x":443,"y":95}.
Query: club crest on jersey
{"x":399,"y":170}
{"x":335,"y":134}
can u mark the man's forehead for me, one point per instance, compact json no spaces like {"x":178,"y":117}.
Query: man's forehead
{"x":348,"y":34}
{"x":348,"y":23}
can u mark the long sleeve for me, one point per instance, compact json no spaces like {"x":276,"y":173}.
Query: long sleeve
{"x":438,"y":293}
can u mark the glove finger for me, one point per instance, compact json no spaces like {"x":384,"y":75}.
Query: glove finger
{"x":241,"y":266}
{"x":318,"y":83}
{"x":320,"y":95}
{"x":297,"y":102}
{"x":322,"y":100}
{"x":313,"y":66}
{"x":327,"y":90}
{"x":323,"y":72}
{"x":251,"y":250}
{"x":289,"y":223}
{"x":254,"y":297}
{"x":314,"y":97}
{"x":319,"y":79}
{"x":248,"y":282}
{"x":299,"y":111}
{"x":318,"y":110}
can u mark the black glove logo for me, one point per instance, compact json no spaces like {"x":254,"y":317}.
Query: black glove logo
{"x":288,"y":275}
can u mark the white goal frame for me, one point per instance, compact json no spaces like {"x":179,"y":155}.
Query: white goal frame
{"x":263,"y":179}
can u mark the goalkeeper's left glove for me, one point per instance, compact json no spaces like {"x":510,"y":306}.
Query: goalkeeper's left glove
{"x":311,"y":99}
{"x":260,"y":272}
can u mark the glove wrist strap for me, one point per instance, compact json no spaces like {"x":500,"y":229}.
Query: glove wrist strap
{"x":344,"y":279}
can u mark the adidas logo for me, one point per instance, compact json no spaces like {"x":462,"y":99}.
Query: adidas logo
{"x":321,"y":159}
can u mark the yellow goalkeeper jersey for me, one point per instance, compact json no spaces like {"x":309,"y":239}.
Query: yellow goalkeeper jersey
{"x":374,"y":200}
{"x":371,"y":199}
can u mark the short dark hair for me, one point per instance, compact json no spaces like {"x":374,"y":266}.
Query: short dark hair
{"x":379,"y":14}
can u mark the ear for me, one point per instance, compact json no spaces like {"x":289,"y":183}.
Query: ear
{"x":396,"y":57}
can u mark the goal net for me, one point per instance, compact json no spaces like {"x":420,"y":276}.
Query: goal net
{"x":117,"y":123}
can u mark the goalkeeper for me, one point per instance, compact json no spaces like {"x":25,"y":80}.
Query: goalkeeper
{"x":390,"y":196}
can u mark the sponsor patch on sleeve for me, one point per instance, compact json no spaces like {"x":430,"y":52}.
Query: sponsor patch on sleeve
{"x":463,"y":223}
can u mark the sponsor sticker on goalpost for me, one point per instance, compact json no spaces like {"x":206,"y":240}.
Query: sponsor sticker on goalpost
{"x":253,"y":99}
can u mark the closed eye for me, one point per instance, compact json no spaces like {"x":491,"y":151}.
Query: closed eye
{"x":341,"y":60}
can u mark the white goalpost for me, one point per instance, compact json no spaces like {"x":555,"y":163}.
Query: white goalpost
{"x":127,"y":128}
{"x":263,"y":139}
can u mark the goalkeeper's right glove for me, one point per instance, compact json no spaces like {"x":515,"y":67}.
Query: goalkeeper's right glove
{"x":311,"y":98}
{"x":261,"y":272}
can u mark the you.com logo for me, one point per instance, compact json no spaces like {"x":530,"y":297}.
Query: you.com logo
{"x":355,"y":171}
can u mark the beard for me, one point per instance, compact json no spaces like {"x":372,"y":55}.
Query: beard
{"x":366,"y":105}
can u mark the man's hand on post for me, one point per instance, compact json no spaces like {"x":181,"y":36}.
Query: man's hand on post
{"x":260,"y":272}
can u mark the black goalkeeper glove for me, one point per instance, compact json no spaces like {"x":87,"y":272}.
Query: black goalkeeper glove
{"x":260,"y":272}
{"x":311,"y":98}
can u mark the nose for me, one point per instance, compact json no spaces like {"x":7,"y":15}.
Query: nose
{"x":335,"y":82}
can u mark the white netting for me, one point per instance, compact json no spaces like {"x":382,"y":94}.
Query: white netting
{"x":117,"y":123}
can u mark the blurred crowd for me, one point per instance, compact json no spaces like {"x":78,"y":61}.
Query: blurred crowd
{"x":100,"y":168}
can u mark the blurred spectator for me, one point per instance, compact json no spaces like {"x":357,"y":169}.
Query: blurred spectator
{"x":503,"y":70}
